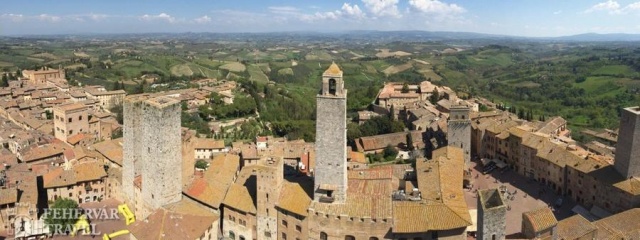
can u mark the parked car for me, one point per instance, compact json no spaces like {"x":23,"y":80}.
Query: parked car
{"x":489,"y":170}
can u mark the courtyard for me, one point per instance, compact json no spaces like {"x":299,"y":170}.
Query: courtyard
{"x":521,"y":195}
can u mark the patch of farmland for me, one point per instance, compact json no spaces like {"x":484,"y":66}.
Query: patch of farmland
{"x":234,"y":67}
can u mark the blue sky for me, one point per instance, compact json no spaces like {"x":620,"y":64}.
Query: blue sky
{"x":522,"y":18}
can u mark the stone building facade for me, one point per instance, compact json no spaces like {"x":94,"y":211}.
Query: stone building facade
{"x":492,"y":215}
{"x":628,"y":148}
{"x":459,"y":130}
{"x":69,"y":120}
{"x":331,"y":138}
{"x":41,"y":76}
{"x":107,"y":99}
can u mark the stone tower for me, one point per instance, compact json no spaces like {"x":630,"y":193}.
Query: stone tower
{"x":330,"y":173}
{"x":132,"y":133}
{"x":152,"y":149}
{"x":459,"y":130}
{"x":627,"y":157}
{"x":492,"y":215}
{"x":269,"y":182}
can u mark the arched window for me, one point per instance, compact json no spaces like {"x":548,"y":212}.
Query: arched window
{"x":373,"y":238}
{"x":323,"y":236}
{"x":349,"y":237}
{"x":232,"y":235}
{"x":332,"y":86}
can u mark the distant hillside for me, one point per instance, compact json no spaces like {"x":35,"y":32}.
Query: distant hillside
{"x":596,"y":37}
{"x":361,"y":35}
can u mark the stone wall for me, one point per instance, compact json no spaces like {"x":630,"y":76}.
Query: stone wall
{"x":459,"y":135}
{"x":161,"y":147}
{"x":132,"y":134}
{"x":297,"y":226}
{"x":331,"y":150}
{"x":188,"y":157}
{"x":232,"y":223}
{"x":627,"y":155}
{"x":338,"y":227}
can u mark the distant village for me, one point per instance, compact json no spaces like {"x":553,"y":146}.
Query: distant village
{"x":61,"y":141}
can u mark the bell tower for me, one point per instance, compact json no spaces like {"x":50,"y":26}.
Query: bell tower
{"x":330,"y":173}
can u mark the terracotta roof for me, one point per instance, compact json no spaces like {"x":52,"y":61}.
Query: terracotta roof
{"x":574,"y":227}
{"x":71,"y":107}
{"x":163,"y":224}
{"x":381,"y":141}
{"x":631,"y":185}
{"x":357,"y":157}
{"x":73,"y":140}
{"x":619,"y":225}
{"x":89,"y":171}
{"x":111,"y":149}
{"x":208,"y":143}
{"x":540,"y":219}
{"x":212,"y":188}
{"x":8,"y":195}
{"x":238,"y":197}
{"x":440,"y":183}
{"x":58,"y":177}
{"x":294,"y":199}
{"x":81,"y":172}
{"x":365,"y":198}
{"x":416,"y":217}
{"x":42,"y":152}
{"x":552,"y":125}
{"x":333,"y":70}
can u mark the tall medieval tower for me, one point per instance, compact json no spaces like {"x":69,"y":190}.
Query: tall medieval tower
{"x":459,"y":130}
{"x":152,"y":149}
{"x":492,"y":215}
{"x":330,"y":173}
{"x":627,"y":157}
{"x":269,"y":183}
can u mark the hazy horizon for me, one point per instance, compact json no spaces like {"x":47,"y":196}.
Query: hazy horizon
{"x":527,"y":19}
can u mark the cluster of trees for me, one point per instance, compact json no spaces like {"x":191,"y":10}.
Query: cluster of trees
{"x":388,"y":154}
{"x":61,"y":215}
{"x":242,"y":106}
{"x":374,"y":126}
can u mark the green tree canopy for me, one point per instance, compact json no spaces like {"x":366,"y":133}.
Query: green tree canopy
{"x":61,"y":214}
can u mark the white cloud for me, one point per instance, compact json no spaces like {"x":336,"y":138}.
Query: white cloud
{"x":347,"y":11}
{"x":161,"y":16}
{"x":352,"y":11}
{"x":320,"y":16}
{"x":383,"y":8}
{"x":613,"y":7}
{"x":203,"y":19}
{"x":283,"y":9}
{"x":435,"y":6}
{"x":557,"y":12}
{"x":97,"y":17}
{"x":13,"y":17}
{"x":609,"y":5}
{"x":47,"y":17}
